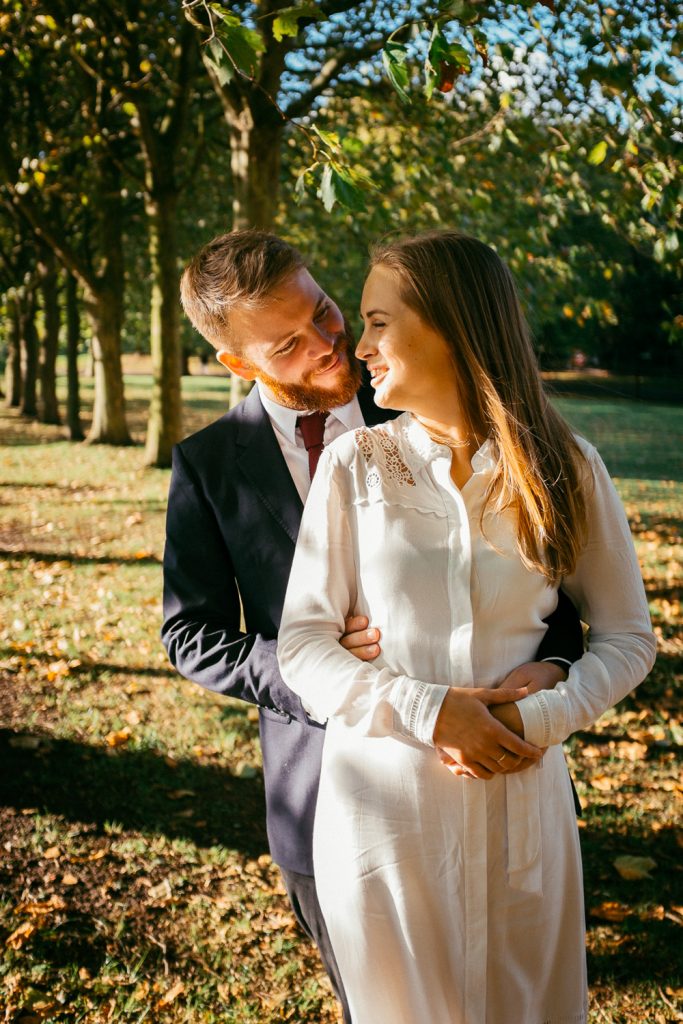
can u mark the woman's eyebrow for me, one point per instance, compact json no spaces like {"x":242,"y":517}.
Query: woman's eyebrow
{"x":373,"y":312}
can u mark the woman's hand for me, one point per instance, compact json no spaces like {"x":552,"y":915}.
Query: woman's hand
{"x":468,"y":734}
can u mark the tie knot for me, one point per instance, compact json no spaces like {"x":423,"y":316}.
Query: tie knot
{"x":312,"y":428}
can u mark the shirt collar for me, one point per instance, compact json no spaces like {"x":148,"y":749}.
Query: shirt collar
{"x":284,"y":419}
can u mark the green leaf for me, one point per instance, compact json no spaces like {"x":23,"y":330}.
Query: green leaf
{"x":340,"y":185}
{"x":219,"y":63}
{"x":329,"y":139}
{"x":327,"y":190}
{"x":443,"y":57}
{"x":243,"y":45}
{"x":300,"y":186}
{"x":597,"y":153}
{"x":394,"y":59}
{"x":287,"y":21}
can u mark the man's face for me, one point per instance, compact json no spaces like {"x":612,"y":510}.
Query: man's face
{"x":298,"y":345}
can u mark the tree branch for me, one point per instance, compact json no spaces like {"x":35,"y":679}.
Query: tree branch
{"x":346,"y":57}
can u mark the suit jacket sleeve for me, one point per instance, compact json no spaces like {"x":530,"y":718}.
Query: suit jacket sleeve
{"x":564,"y":637}
{"x":201,"y":628}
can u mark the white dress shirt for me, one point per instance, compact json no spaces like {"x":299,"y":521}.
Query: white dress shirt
{"x":339,"y":420}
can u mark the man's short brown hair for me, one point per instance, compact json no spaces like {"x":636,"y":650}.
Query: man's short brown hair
{"x":239,"y":268}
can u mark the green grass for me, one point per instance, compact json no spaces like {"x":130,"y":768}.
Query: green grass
{"x":134,"y":877}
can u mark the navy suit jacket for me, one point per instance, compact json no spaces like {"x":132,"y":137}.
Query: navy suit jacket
{"x":232,"y":523}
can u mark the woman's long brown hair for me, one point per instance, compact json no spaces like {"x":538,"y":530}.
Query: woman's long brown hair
{"x":463,"y":290}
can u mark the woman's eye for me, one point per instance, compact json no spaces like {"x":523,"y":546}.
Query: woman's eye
{"x":377,"y":323}
{"x":322,"y":312}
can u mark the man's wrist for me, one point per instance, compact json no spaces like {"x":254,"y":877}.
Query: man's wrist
{"x":562,"y":663}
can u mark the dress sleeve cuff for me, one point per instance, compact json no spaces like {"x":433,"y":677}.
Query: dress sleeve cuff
{"x":535,"y":718}
{"x":416,"y":708}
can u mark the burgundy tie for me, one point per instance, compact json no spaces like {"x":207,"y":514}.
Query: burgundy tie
{"x":312,"y":430}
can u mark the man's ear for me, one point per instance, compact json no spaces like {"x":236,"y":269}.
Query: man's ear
{"x":236,"y":365}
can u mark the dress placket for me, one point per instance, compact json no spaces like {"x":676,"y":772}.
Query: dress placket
{"x":474,"y":793}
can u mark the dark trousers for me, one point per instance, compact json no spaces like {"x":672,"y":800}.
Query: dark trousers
{"x":304,"y":900}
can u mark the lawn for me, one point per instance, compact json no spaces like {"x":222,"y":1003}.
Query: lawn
{"x":135,"y":883}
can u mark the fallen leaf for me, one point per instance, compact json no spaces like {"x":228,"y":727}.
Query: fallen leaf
{"x":52,"y":853}
{"x":162,"y":891}
{"x":119,"y":737}
{"x":178,"y":794}
{"x":604,"y":783}
{"x":610,"y":910}
{"x":634,"y":869}
{"x":21,"y":935}
{"x":95,"y":855}
{"x":69,"y":879}
{"x":38,"y":909}
{"x":632,"y":751}
{"x":171,"y":995}
{"x":592,"y":751}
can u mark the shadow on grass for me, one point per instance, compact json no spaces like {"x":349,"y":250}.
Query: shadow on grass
{"x":24,"y":554}
{"x":95,"y":669}
{"x":645,"y":945}
{"x":134,"y":789}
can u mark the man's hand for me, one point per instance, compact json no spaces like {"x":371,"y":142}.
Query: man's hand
{"x":359,"y":640}
{"x":468,"y":734}
{"x":535,"y":675}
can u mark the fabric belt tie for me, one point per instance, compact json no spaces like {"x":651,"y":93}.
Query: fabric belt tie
{"x":524,"y":831}
{"x":312,"y":430}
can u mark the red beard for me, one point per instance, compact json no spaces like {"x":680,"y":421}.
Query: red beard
{"x":307,"y":396}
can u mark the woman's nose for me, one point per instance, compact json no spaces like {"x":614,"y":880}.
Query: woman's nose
{"x":363,"y":348}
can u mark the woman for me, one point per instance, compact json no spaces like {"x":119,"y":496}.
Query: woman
{"x":455,"y":897}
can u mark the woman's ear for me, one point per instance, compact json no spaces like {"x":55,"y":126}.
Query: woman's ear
{"x":236,"y":365}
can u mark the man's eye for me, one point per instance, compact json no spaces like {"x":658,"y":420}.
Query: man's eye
{"x":377,"y":323}
{"x":322,"y":312}
{"x":287,"y":348}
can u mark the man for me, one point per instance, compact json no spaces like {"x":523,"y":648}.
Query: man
{"x":235,"y":503}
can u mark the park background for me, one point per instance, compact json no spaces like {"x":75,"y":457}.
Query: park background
{"x":135,"y":882}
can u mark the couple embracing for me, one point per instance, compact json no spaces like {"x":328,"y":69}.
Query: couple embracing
{"x":411,"y":637}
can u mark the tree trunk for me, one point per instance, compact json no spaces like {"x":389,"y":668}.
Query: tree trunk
{"x":109,"y":410}
{"x":73,"y":337}
{"x":255,"y":145}
{"x":48,"y":407}
{"x":13,"y":375}
{"x":164,"y":428}
{"x":29,"y":342}
{"x":104,"y":306}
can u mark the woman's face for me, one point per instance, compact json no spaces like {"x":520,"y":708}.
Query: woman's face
{"x":409,"y":362}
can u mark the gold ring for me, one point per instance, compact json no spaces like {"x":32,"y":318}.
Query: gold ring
{"x":499,"y":760}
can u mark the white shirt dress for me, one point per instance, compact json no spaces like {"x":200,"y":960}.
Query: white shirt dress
{"x":448,"y":900}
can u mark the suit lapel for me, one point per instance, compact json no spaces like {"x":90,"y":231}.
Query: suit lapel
{"x":262,"y":462}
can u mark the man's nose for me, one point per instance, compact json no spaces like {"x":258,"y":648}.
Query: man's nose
{"x":320,"y":342}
